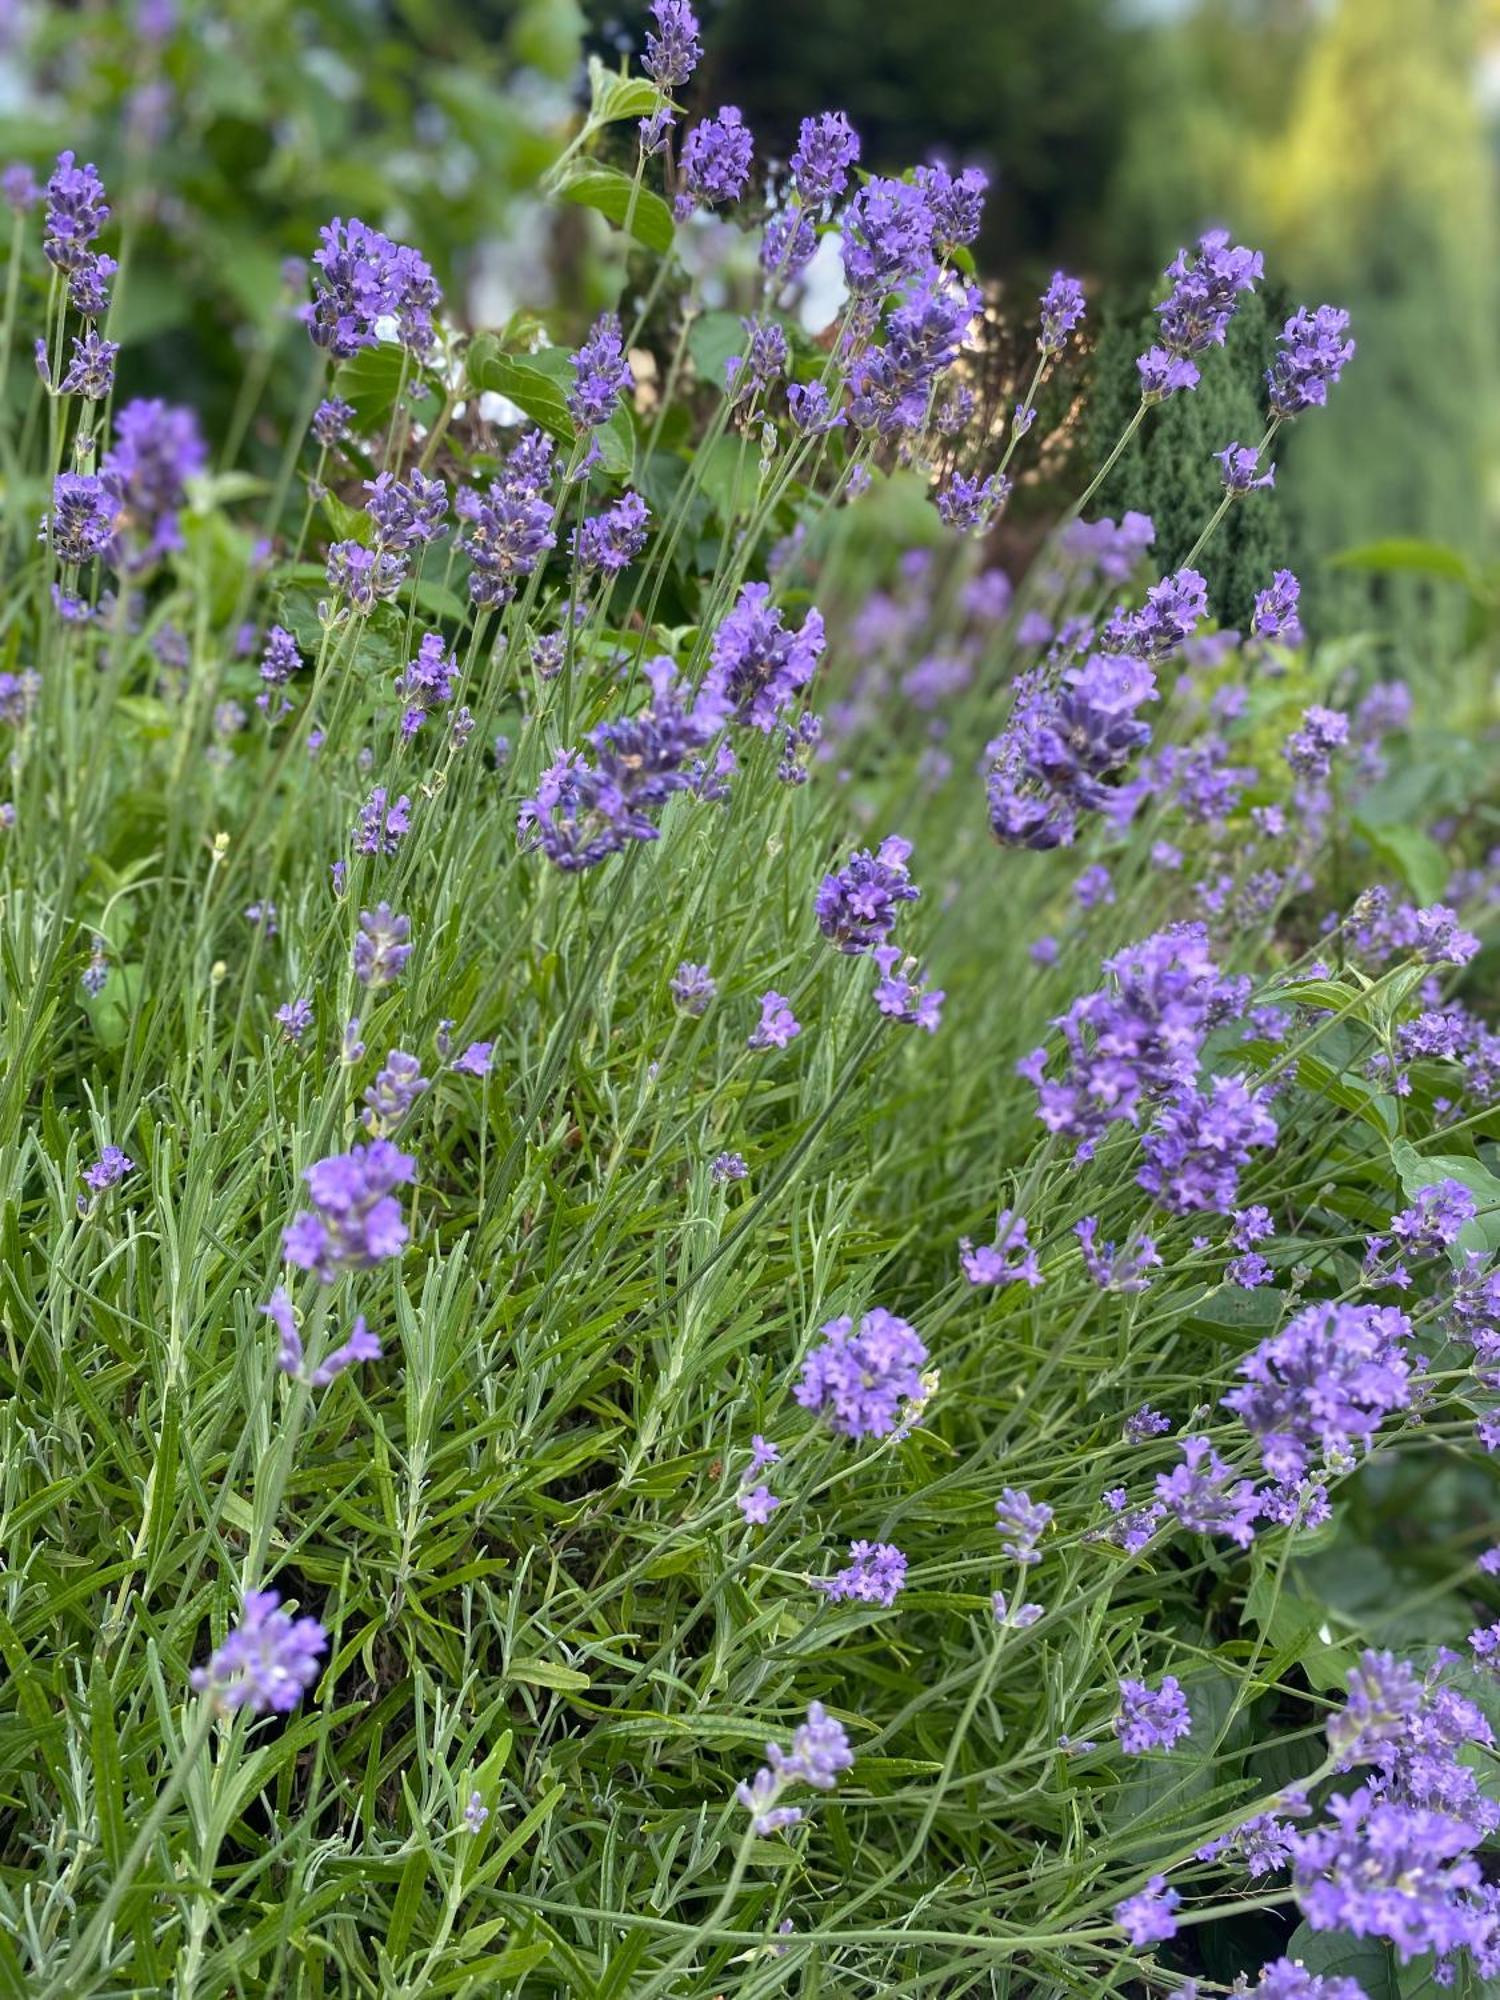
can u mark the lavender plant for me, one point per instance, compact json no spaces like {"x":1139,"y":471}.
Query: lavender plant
{"x":500,"y":1321}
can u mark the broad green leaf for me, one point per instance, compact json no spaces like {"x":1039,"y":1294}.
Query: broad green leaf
{"x":612,"y":96}
{"x":712,"y":340}
{"x":525,"y":379}
{"x":1401,"y":552}
{"x":371,"y":381}
{"x":1368,"y":1961}
{"x":592,"y":184}
{"x":1415,"y":856}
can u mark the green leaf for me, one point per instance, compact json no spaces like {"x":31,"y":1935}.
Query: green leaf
{"x":371,"y":381}
{"x":1368,"y":1961}
{"x":1413,"y":855}
{"x":613,"y":96}
{"x":1402,"y":552}
{"x":713,"y":340}
{"x":545,"y":1673}
{"x":592,"y":184}
{"x":526,"y":379}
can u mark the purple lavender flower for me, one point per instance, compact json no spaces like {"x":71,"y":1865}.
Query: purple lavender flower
{"x":76,"y":212}
{"x":278,"y":662}
{"x":601,"y":374}
{"x":887,"y":235}
{"x":279,"y":1310}
{"x":1008,"y":1260}
{"x":1195,"y":314}
{"x":1310,"y":750}
{"x":827,"y":147}
{"x":331,"y":421}
{"x":83,"y":518}
{"x":1151,"y":1720}
{"x":875,"y":1574}
{"x":856,"y":906}
{"x":393,"y":1093}
{"x":673,"y":50}
{"x":757,"y":1504}
{"x":1199,"y":1142}
{"x":426,"y":682}
{"x":1019,"y":1616}
{"x":382,"y":825}
{"x":611,"y":541}
{"x":968,"y":504}
{"x":1021,"y":1522}
{"x":408,"y":514}
{"x":1311,"y":354}
{"x":361,"y":1345}
{"x":1113,"y":551}
{"x":157,"y":448}
{"x":891,"y":384}
{"x":727,"y":1167}
{"x":762,"y":1454}
{"x":858,"y":1381}
{"x":955,"y":203}
{"x":294,"y":1018}
{"x":1240,"y":469}
{"x":1173,"y":610}
{"x":1146,"y":1917}
{"x":777,"y":1025}
{"x":476,"y":1812}
{"x":1381,"y":1867}
{"x":715,"y":162}
{"x":1062,"y":744}
{"x":268,"y":1660}
{"x":1205,"y":1496}
{"x":18,"y":188}
{"x":766,"y":359}
{"x":1275,"y":611}
{"x":1289,"y":1979}
{"x":361,"y":277}
{"x":108,"y":1170}
{"x":88,"y":285}
{"x":380,"y":947}
{"x":91,"y":371}
{"x":758,"y":665}
{"x":1138,"y":1038}
{"x":355,"y":1221}
{"x":1436,"y":1218}
{"x":811,"y":411}
{"x":820,"y":1751}
{"x":582,"y":813}
{"x":364,"y":576}
{"x":693,"y":988}
{"x":904,"y":996}
{"x":1113,"y":1270}
{"x":1062,"y":308}
{"x":1146,"y":1423}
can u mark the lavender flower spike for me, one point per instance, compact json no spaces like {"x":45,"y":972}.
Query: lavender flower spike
{"x":267,"y":1662}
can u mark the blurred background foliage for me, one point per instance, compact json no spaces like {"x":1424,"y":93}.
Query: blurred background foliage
{"x":1353,"y":140}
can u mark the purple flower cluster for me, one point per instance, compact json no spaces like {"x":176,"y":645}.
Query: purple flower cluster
{"x":426,"y":682}
{"x":1200,"y":1141}
{"x":1139,"y":1038}
{"x":1205,"y":1496}
{"x":715,"y":163}
{"x":601,"y":374}
{"x":1021,"y":1522}
{"x":1274,"y":613}
{"x":827,"y":147}
{"x":673,"y":50}
{"x":355,"y":1221}
{"x":1311,"y":749}
{"x":408,"y":514}
{"x":1147,"y":1917}
{"x":268,"y":1660}
{"x":582,"y":812}
{"x":693,"y":988}
{"x":393,"y":1093}
{"x":1116,"y":1270}
{"x":875,"y":1574}
{"x":820,"y":1751}
{"x":1062,"y":308}
{"x":1009,"y":1260}
{"x":777,"y":1025}
{"x":1195,"y":314}
{"x":1062,"y":745}
{"x":858,"y":1381}
{"x":1312,"y":351}
{"x":856,"y":905}
{"x":1173,"y":610}
{"x":611,"y":541}
{"x":361,"y":278}
{"x":157,"y":448}
{"x":903,"y":995}
{"x":758,"y":665}
{"x":381,"y":946}
{"x":1152,"y":1720}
